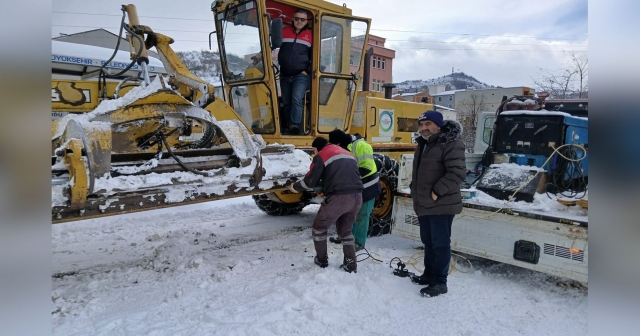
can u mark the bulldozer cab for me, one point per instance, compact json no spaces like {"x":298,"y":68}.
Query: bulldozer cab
{"x":249,"y":35}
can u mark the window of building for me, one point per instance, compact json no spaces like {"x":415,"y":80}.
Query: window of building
{"x":379,"y":90}
{"x":351,"y":60}
{"x":373,"y":85}
{"x":439,"y":98}
{"x":375,"y":59}
{"x":383,"y":61}
{"x":450,"y":97}
{"x":376,"y":42}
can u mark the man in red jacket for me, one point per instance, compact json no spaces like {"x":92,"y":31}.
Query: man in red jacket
{"x":294,"y":59}
{"x":342,"y":188}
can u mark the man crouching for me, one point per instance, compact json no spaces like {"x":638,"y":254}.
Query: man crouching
{"x":342,"y":188}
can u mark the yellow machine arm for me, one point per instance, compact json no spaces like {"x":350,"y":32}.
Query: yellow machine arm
{"x":189,"y":85}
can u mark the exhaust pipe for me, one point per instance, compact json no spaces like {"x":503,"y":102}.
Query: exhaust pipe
{"x":388,"y":90}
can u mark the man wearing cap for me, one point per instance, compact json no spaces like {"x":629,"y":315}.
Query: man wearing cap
{"x":342,"y":188}
{"x":438,"y":170}
{"x":363,"y":153}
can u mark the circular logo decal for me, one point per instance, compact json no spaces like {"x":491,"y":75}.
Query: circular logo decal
{"x":386,"y":121}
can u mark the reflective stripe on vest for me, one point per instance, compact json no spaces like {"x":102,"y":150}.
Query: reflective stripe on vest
{"x":363,"y":159}
{"x":372,"y":182}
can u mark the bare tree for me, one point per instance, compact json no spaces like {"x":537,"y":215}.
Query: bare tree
{"x":572,"y":82}
{"x":470,"y":107}
{"x":582,"y":71}
{"x":468,"y":110}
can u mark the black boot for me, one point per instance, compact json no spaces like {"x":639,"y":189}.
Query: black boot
{"x":322,"y":258}
{"x":421,"y":280}
{"x":322,"y":263}
{"x":433,"y":290}
{"x":349,"y":265}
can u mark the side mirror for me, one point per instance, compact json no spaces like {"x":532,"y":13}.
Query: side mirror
{"x":275,"y":33}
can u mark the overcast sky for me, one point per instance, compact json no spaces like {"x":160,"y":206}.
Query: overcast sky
{"x":500,"y":42}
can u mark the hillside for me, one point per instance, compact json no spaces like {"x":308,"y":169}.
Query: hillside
{"x":206,"y":64}
{"x":455,"y":81}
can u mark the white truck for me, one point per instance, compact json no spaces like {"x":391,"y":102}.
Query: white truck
{"x":542,"y":235}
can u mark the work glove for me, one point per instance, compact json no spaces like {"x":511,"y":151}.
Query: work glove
{"x":292,"y":189}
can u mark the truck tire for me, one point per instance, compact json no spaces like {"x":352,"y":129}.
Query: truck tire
{"x":274,"y":208}
{"x":380,"y":219}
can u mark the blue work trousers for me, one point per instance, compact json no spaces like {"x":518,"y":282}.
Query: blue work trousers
{"x":293,"y":89}
{"x":435,"y":233}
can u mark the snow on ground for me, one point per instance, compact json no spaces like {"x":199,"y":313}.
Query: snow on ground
{"x":225,"y":268}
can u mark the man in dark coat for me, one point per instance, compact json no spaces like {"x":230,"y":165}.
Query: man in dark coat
{"x":342,"y":188}
{"x":438,"y":171}
{"x":363,"y":152}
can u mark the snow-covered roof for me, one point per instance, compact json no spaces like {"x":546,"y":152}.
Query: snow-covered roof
{"x":409,"y":94}
{"x":446,"y":93}
{"x":444,"y":108}
{"x":540,"y":112}
{"x":92,"y":56}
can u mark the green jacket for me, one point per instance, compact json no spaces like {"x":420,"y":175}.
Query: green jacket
{"x":368,"y":169}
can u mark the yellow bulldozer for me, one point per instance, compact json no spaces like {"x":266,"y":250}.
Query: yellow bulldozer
{"x":130,"y":143}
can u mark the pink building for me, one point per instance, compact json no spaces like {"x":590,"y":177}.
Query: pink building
{"x":381,"y":63}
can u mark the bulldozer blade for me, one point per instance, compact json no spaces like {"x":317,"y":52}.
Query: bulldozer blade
{"x":131,"y":193}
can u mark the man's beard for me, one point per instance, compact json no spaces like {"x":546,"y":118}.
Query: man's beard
{"x":426,"y":137}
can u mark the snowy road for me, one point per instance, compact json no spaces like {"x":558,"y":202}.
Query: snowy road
{"x":226,"y":268}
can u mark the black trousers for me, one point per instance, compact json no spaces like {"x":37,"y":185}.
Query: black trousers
{"x":435,"y":233}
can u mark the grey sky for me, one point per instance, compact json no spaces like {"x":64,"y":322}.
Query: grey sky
{"x":500,"y":42}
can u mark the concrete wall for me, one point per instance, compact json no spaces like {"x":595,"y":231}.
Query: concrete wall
{"x":492,"y":97}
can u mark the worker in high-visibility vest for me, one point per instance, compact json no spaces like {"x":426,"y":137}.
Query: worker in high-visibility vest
{"x":370,"y":180}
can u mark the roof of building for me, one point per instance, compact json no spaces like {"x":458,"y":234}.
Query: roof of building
{"x":85,"y":32}
{"x":91,"y":56}
{"x":378,"y":37}
{"x":77,"y":38}
{"x":444,"y":107}
{"x":445,"y":93}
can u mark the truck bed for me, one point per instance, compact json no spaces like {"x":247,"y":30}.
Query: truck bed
{"x":552,"y":242}
{"x":483,"y":232}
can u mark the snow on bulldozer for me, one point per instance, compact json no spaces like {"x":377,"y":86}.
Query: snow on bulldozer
{"x":153,"y":147}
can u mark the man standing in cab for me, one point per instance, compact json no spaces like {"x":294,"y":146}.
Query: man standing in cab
{"x":294,"y":59}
